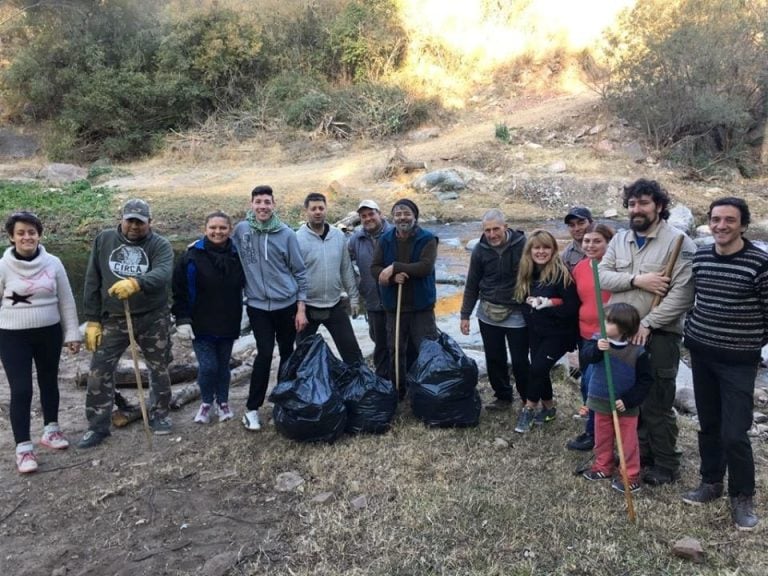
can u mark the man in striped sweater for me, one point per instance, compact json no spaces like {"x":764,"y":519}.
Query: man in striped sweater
{"x":725,"y":332}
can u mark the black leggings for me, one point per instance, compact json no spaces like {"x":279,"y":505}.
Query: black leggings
{"x":18,"y":349}
{"x":545,"y":352}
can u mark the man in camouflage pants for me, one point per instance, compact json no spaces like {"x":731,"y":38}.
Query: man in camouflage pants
{"x":130,"y":262}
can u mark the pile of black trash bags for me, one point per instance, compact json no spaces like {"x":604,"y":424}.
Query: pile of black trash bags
{"x":318,"y":397}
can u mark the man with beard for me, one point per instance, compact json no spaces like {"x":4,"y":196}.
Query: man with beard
{"x":492,"y":278}
{"x":129,"y":262}
{"x":329,"y":273}
{"x":405,"y":256}
{"x":633,"y":271}
{"x":361,"y":247}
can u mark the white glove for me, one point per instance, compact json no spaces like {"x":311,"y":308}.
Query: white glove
{"x":543,"y":302}
{"x":185,"y":331}
{"x":533,"y":301}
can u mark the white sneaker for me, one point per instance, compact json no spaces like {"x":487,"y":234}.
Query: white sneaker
{"x":251,"y":420}
{"x":203,"y":414}
{"x":225,"y":413}
{"x":26,"y":460}
{"x":53,"y":438}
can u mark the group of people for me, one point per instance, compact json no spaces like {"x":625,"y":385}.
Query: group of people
{"x":531,"y":302}
{"x":656,"y":288}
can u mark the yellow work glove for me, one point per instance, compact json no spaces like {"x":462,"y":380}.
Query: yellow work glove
{"x":124,"y":288}
{"x":92,"y":336}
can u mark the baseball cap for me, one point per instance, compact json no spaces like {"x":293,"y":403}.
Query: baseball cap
{"x":579,"y":212}
{"x":138,"y":209}
{"x":368,"y":204}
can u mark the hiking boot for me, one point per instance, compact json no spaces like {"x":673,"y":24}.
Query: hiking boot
{"x":161,"y":425}
{"x":92,"y":438}
{"x":545,"y":415}
{"x":583,"y":442}
{"x":26,"y":460}
{"x":203,"y":415}
{"x":53,"y":438}
{"x":499,"y":405}
{"x":618,"y":484}
{"x":657,"y":476}
{"x":525,"y":420}
{"x":251,"y":420}
{"x":225,"y":413}
{"x":743,"y":512}
{"x":704,"y":494}
{"x":596,"y":475}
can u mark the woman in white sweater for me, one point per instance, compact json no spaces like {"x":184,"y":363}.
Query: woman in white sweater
{"x":37,"y":315}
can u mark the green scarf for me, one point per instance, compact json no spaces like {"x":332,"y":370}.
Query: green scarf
{"x":271,"y":225}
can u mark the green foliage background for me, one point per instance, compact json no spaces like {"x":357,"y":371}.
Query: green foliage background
{"x":110,"y":78}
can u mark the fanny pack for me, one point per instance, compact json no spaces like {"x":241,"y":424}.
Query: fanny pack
{"x":318,"y":314}
{"x":496,"y":312}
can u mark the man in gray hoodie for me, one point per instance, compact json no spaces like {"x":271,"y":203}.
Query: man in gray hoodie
{"x":275,"y":291}
{"x":329,"y":273}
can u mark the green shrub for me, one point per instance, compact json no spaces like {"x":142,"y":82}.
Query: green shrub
{"x":309,"y":110}
{"x":502,"y":133}
{"x":692,"y":74}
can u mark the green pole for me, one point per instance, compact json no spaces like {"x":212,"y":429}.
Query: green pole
{"x":612,"y":395}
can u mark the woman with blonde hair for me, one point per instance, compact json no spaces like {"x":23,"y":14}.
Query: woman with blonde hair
{"x":550,"y":308}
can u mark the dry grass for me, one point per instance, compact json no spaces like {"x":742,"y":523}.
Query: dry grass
{"x":450,"y":502}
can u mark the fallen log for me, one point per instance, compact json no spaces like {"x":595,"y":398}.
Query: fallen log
{"x":124,"y":377}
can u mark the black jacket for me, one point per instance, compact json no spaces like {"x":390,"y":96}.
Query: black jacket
{"x":492,"y":275}
{"x":562,"y":320}
{"x":208,"y":290}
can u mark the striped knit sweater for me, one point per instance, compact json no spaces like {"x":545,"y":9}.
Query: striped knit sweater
{"x":729,"y":319}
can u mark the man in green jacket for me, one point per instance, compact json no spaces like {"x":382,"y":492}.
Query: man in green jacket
{"x":130,"y":263}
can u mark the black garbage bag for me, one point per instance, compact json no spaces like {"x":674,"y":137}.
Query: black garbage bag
{"x":442,"y":384}
{"x":308,"y":407}
{"x":370,"y":400}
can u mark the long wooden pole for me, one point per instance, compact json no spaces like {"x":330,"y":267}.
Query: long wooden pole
{"x":612,"y":398}
{"x":137,"y":372}
{"x":670,"y":266}
{"x":397,"y":337}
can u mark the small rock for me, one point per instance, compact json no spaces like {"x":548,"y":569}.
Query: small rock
{"x":634,"y":150}
{"x":703,"y":230}
{"x":557,"y":167}
{"x":610,"y":213}
{"x":359,"y":503}
{"x":689,"y":548}
{"x":500,"y":443}
{"x":761,"y":397}
{"x":220,"y":564}
{"x":288,"y":481}
{"x":424,"y":133}
{"x":446,"y":196}
{"x":60,"y":571}
{"x":605,"y":146}
{"x":533,"y":145}
{"x":472,"y":243}
{"x":759,"y":417}
{"x":450,"y":242}
{"x":323,"y":497}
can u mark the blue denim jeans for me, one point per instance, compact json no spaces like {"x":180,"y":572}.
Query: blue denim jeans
{"x":213,"y":373}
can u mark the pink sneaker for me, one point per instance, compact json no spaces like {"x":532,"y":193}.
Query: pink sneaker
{"x":26,"y":460}
{"x":53,"y":438}
{"x":225,"y":413}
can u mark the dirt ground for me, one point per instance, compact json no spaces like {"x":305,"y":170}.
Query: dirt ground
{"x":203,"y":500}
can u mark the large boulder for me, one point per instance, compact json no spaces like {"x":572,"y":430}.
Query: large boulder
{"x":439,"y":180}
{"x":60,"y":174}
{"x":682,"y":218}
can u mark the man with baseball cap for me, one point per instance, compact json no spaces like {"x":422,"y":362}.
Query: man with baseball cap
{"x":130,"y":263}
{"x":578,"y":220}
{"x":405,"y":256}
{"x":362,"y":245}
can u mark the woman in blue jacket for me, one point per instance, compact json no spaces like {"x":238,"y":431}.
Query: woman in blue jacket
{"x":208,"y":305}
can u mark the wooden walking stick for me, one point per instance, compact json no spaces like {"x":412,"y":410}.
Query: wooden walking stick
{"x":670,"y":266}
{"x":397,"y":337}
{"x":137,"y":372}
{"x":612,"y":398}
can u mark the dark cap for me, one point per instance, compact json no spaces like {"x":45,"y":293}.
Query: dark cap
{"x":138,"y":209}
{"x":410,"y":204}
{"x":579,"y":212}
